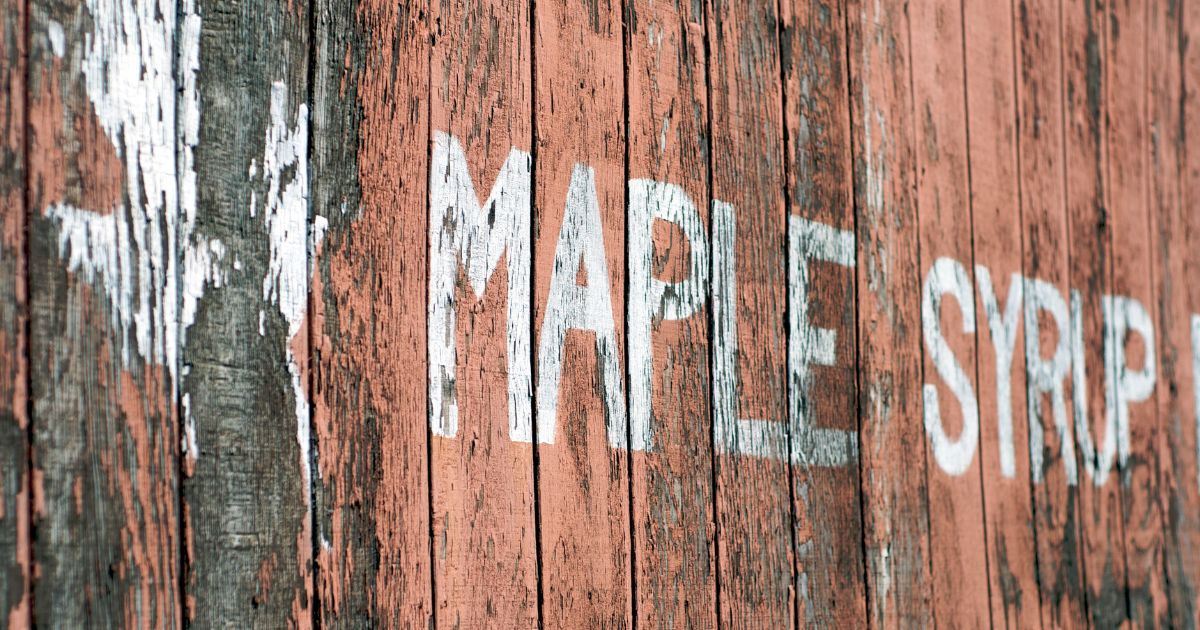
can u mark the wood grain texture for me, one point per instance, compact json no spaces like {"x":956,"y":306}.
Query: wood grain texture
{"x":579,"y":306}
{"x":1134,"y":354}
{"x":997,"y":218}
{"x":15,"y":537}
{"x":1053,"y":468}
{"x":1089,"y":213}
{"x":754,"y":511}
{"x":674,"y":549}
{"x":485,"y":555}
{"x":102,"y":296}
{"x":823,"y":394}
{"x":370,"y":178}
{"x":895,"y":511}
{"x":1174,"y":78}
{"x":957,"y":543}
{"x":247,"y":489}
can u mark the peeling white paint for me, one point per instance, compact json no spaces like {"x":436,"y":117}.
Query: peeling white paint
{"x":808,"y":345}
{"x":652,"y":299}
{"x":1124,"y":316}
{"x":465,"y":234}
{"x":1096,"y":463}
{"x":570,"y":306}
{"x":1047,"y":376}
{"x":58,"y":40}
{"x":948,"y":276}
{"x":1002,"y":326}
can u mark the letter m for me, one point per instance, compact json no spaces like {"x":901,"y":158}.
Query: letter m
{"x":465,"y":235}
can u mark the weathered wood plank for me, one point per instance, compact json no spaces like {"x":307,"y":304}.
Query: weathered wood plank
{"x":370,"y":178}
{"x":1089,"y":213}
{"x":485,"y":551}
{"x":754,"y":504}
{"x":997,"y":217}
{"x":958,"y":549}
{"x":1174,"y":78}
{"x":895,"y":511}
{"x":103,"y":298}
{"x":1053,"y":467}
{"x":245,"y":401}
{"x":822,"y":377}
{"x":674,"y":550}
{"x":579,"y":306}
{"x":15,"y":542}
{"x":1132,"y":312}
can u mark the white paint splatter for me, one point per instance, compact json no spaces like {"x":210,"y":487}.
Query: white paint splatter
{"x":285,"y":213}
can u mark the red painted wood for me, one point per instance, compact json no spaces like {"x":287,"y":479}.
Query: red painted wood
{"x":1128,"y":137}
{"x":997,"y":216}
{"x":1044,"y":227}
{"x":674,"y":550}
{"x":1174,"y":77}
{"x":895,"y":510}
{"x":485,"y":553}
{"x":827,"y":529}
{"x":583,"y":491}
{"x":754,"y":541}
{"x":958,"y":550}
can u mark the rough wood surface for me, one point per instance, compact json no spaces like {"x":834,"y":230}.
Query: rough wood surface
{"x":674,"y":550}
{"x":1174,"y":79}
{"x":958,"y":549}
{"x":485,"y":552}
{"x":1053,"y":467}
{"x":579,"y":310}
{"x":245,"y":400}
{"x":103,"y":293}
{"x":895,"y":510}
{"x":754,"y":504}
{"x":822,"y":385}
{"x":1089,"y":230}
{"x":370,"y":155}
{"x":1132,"y":313}
{"x":997,"y":217}
{"x":15,"y":542}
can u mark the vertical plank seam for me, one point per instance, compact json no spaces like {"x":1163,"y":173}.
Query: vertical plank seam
{"x":987,"y":560}
{"x":424,"y":32}
{"x":1016,"y":86}
{"x":27,"y":246}
{"x":911,"y":184}
{"x":626,"y":42}
{"x":310,"y":312}
{"x":858,"y":384}
{"x":1080,"y":550}
{"x":533,"y":347}
{"x":181,"y":525}
{"x":712,"y":346}
{"x":787,"y":307}
{"x":1106,"y":206}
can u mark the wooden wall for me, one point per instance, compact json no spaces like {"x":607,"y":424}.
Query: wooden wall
{"x":599,"y":313}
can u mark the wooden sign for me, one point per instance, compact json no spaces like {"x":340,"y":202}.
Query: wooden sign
{"x":649,"y":313}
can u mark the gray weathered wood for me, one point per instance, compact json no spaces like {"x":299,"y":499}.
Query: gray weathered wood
{"x":246,"y":490}
{"x":15,"y":541}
